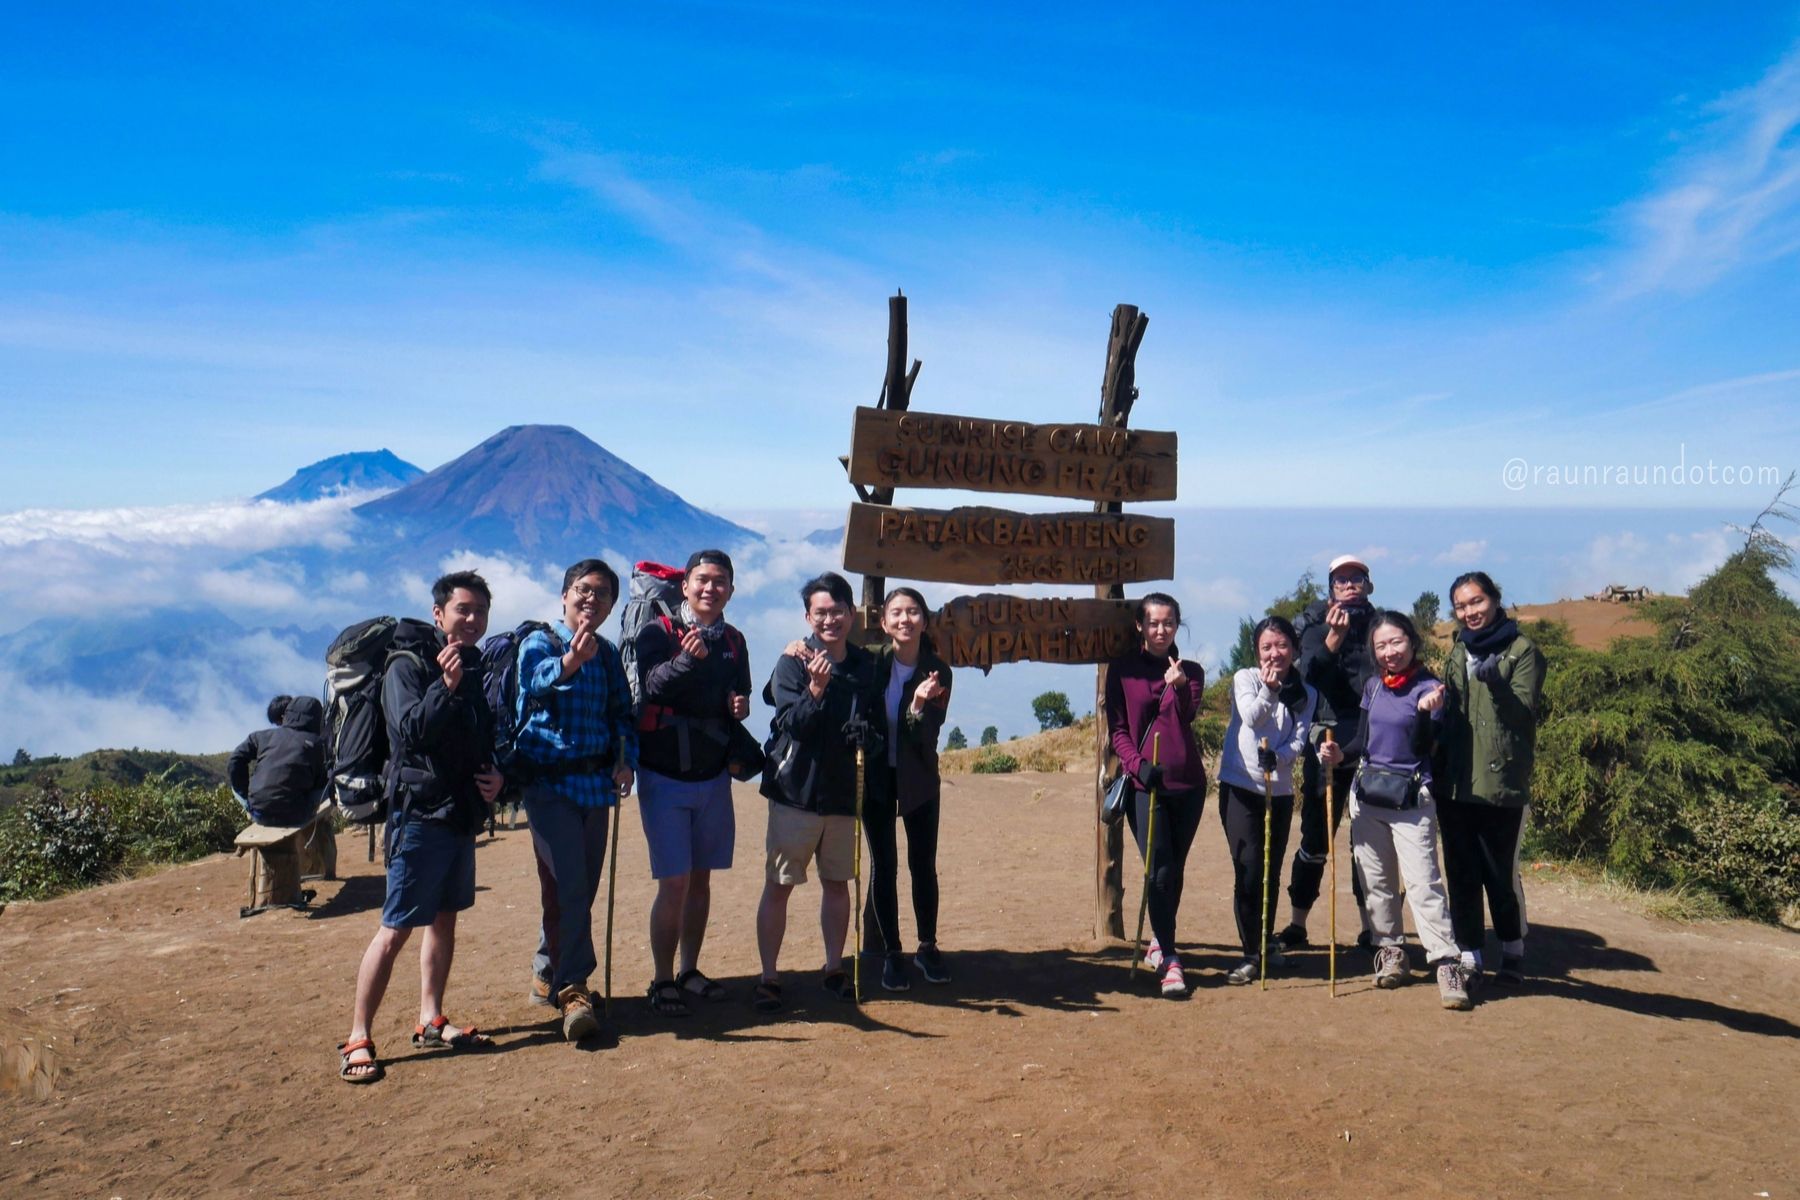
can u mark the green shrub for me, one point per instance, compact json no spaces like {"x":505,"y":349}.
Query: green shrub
{"x":997,"y":763}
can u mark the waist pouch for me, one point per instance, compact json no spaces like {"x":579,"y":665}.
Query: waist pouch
{"x":524,"y":771}
{"x":1385,"y":787}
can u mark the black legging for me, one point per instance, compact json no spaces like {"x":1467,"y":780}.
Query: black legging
{"x":1241,"y":814}
{"x":1481,"y":853}
{"x":1177,"y":820}
{"x":1310,"y":858}
{"x":881,"y":910}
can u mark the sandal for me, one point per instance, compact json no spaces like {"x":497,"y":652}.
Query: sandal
{"x":431,"y":1037}
{"x":666,"y":999}
{"x":838,"y":984}
{"x":695,"y":984}
{"x":367,"y":1071}
{"x":766,"y":997}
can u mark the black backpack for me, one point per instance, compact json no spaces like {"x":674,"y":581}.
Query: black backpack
{"x":356,"y":736}
{"x":500,"y":660}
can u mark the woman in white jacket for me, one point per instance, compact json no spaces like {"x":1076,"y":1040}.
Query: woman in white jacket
{"x":1268,"y":701}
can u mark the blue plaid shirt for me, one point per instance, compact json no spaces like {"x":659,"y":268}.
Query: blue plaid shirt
{"x":587,"y":714}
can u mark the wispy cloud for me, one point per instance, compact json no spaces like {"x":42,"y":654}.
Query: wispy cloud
{"x":1733,"y":201}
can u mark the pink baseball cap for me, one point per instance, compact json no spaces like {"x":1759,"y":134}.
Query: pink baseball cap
{"x":1346,"y":560}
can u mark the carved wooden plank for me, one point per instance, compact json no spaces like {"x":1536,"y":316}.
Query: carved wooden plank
{"x":992,"y":545}
{"x":993,"y":628}
{"x":1082,"y":462}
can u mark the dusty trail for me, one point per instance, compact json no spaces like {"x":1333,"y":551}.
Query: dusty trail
{"x":191,"y":1051}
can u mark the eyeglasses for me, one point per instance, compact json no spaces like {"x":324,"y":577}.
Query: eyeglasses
{"x":582,"y":591}
{"x":1358,"y":578}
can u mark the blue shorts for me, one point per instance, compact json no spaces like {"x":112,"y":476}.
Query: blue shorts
{"x":688,"y":825}
{"x":431,"y":870}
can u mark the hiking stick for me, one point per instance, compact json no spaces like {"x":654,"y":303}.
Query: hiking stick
{"x":856,"y":950}
{"x":612,"y":875}
{"x":1149,"y":844}
{"x":1262,"y":927}
{"x":1331,"y":860}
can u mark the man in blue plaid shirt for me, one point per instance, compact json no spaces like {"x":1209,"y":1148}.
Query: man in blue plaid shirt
{"x":576,"y":754}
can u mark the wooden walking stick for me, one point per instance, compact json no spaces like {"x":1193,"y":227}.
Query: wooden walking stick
{"x":856,"y":870}
{"x":612,"y":874}
{"x":1149,"y":844}
{"x":1262,"y":927}
{"x":1331,"y":861}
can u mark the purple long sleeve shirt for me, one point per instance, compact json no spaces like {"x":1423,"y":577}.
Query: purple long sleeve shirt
{"x":1137,"y":700}
{"x":1391,"y":718}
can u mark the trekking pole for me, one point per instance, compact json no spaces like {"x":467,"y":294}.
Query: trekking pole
{"x":612,"y":875}
{"x":1262,"y":928}
{"x":1149,"y":844}
{"x":856,"y":951}
{"x":1331,"y":860}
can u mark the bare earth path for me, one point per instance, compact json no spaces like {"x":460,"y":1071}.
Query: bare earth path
{"x":192,"y":1052}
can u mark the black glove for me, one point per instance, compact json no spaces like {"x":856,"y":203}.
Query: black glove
{"x":1151,"y":776}
{"x":1487,"y":669}
{"x":1266,"y":761}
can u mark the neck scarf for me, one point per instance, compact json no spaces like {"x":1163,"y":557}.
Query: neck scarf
{"x":1492,"y":639}
{"x":1394,"y":683}
{"x":708,"y":633}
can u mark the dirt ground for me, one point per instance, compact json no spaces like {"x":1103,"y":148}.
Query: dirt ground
{"x":188,"y":1052}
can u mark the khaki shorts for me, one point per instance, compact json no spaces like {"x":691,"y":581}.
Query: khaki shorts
{"x":796,"y":837}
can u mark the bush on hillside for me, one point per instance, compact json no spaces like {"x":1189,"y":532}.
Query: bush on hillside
{"x":996,"y":763}
{"x":54,"y":841}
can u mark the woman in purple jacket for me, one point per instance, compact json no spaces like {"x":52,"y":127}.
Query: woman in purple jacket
{"x":1152,"y":696}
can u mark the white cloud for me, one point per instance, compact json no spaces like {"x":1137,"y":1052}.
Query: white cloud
{"x":1672,"y":563}
{"x":1732,"y":202}
{"x":241,"y":526}
{"x":260,"y":589}
{"x":1465,"y":554}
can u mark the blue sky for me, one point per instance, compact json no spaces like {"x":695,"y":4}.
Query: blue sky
{"x":1385,"y":251}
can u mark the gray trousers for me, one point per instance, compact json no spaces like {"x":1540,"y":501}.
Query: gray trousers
{"x":1397,"y":851}
{"x":570,"y":843}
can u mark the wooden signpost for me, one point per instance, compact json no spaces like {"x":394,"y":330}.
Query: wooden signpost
{"x":1106,"y":463}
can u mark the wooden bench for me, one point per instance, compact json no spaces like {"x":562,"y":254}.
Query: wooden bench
{"x":284,"y":856}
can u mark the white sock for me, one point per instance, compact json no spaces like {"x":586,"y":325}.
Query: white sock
{"x":1516,"y":947}
{"x":1472,"y":959}
{"x":1298,"y":917}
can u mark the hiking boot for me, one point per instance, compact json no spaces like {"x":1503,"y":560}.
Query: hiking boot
{"x":1245,"y":972}
{"x":1174,"y":983}
{"x":577,"y":1013}
{"x":1390,"y":967}
{"x":1452,"y":990}
{"x":931,"y":964}
{"x":893,"y":974}
{"x":1293,"y":937}
{"x":1512,"y":970}
{"x":1153,"y":957}
{"x":540,"y":990}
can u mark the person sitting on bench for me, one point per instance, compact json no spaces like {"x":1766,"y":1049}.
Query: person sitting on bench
{"x":278,"y":774}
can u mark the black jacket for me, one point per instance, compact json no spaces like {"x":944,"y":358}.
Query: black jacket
{"x":437,"y":739}
{"x":281,"y":771}
{"x":915,"y":780}
{"x":812,"y":764}
{"x":1341,"y":677}
{"x":688,"y":699}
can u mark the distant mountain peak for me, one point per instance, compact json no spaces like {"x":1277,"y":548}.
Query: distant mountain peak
{"x":361,"y":471}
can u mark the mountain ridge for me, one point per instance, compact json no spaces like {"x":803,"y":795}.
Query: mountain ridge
{"x":357,"y":471}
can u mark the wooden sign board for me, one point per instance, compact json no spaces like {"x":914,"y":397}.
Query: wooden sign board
{"x":904,"y":448}
{"x":992,"y":545}
{"x":989,"y":629}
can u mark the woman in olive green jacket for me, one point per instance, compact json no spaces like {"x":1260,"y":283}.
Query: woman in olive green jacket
{"x":1494,"y":678}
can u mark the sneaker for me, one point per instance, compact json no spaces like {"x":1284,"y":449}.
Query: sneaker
{"x":1174,"y":983}
{"x":1293,"y":937}
{"x":1390,"y":967}
{"x":1153,"y":957}
{"x":893,"y":974}
{"x":931,"y":964}
{"x":577,"y":1013}
{"x":1512,"y":970}
{"x":540,"y":991}
{"x":1245,"y":972}
{"x":1452,"y":990}
{"x":1276,"y":957}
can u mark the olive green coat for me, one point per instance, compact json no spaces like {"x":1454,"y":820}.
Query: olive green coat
{"x":1490,"y":731}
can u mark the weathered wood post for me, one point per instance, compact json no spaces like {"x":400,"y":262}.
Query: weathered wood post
{"x":896,"y":392}
{"x":1118,"y":389}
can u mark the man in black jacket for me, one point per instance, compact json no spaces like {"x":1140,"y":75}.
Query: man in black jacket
{"x":440,"y":782}
{"x":810,"y":780}
{"x":278,"y":774}
{"x":1335,"y":659}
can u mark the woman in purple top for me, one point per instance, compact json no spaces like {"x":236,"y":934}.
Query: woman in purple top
{"x":1152,"y":697}
{"x":1393,"y":820}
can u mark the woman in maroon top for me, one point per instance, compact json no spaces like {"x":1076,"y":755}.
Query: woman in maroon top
{"x":1152,"y":697}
